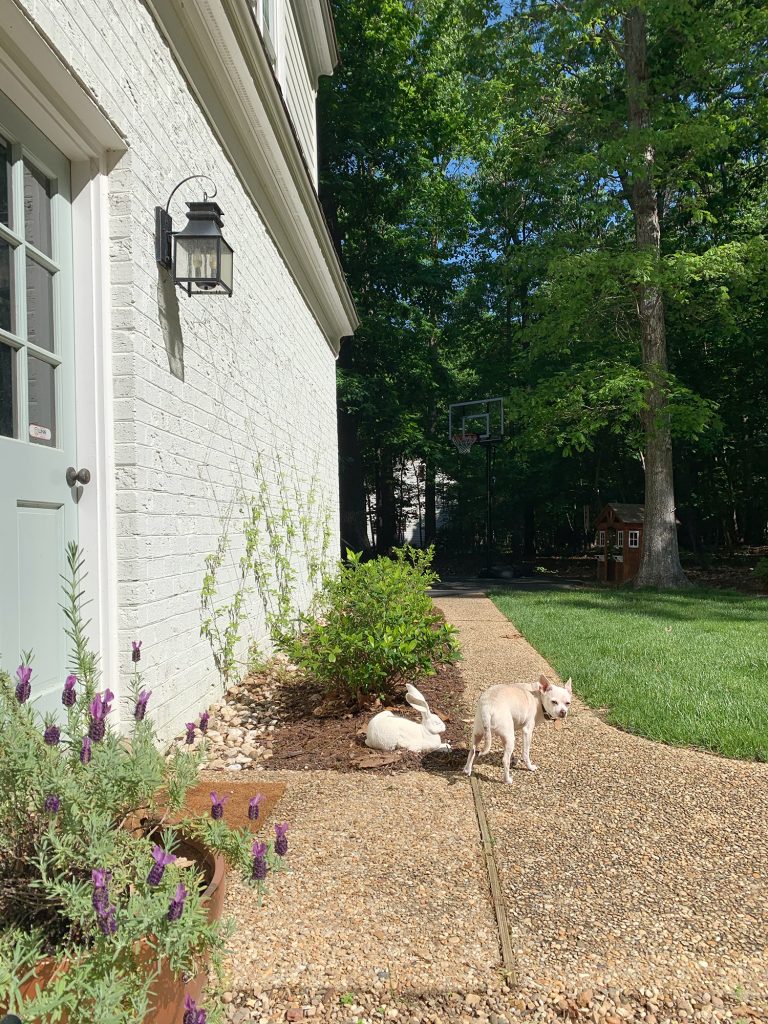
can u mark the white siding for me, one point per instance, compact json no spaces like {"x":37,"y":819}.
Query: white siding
{"x":299,"y":94}
{"x":199,"y":383}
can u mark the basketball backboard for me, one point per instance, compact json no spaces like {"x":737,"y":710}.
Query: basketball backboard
{"x":483,"y":417}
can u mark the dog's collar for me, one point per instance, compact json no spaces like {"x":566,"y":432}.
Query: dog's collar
{"x":549,"y":718}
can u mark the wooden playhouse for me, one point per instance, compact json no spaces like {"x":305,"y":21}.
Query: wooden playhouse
{"x":619,"y":541}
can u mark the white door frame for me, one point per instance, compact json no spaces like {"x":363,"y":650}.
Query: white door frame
{"x":35,"y":77}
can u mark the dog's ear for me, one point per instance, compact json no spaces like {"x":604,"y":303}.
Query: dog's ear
{"x":544,"y":683}
{"x":568,"y":685}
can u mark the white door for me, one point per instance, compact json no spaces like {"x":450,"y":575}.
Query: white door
{"x":38,"y":507}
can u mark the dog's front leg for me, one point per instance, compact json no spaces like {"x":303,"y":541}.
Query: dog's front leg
{"x":527,"y":734}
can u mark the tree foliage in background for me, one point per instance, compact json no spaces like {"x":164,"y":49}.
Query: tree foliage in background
{"x":528,"y":204}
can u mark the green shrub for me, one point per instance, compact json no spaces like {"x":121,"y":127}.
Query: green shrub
{"x":374,"y":626}
{"x":761,"y":573}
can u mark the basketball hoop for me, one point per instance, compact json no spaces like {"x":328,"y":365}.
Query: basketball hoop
{"x":464,"y":442}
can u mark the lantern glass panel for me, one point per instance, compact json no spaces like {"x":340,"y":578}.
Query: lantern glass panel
{"x":226,"y":266}
{"x":197,"y":258}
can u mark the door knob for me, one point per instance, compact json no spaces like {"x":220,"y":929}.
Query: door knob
{"x":74,"y":476}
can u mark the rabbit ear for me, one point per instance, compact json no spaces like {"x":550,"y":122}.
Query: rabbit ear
{"x":416,"y":699}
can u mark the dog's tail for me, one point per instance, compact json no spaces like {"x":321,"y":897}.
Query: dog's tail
{"x":484,"y":716}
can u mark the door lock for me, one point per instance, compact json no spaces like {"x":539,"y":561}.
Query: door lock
{"x":75,"y":476}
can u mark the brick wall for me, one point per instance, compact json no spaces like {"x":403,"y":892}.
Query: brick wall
{"x":200,"y":384}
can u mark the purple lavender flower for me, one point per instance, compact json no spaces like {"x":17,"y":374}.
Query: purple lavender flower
{"x":96,"y":709}
{"x":97,"y":728}
{"x":23,"y":687}
{"x":193,"y":1015}
{"x":281,"y":840}
{"x":177,"y":904}
{"x":85,"y":750}
{"x":136,"y":650}
{"x":217,"y":810}
{"x":99,"y":707}
{"x":260,"y":866}
{"x":105,"y":910}
{"x":108,"y":921}
{"x":52,"y":736}
{"x":100,"y":878}
{"x":162,"y":860}
{"x":190,"y":1011}
{"x":100,"y":897}
{"x":69,"y":696}
{"x":190,"y":737}
{"x":52,"y":804}
{"x":204,"y":719}
{"x":141,"y":705}
{"x":253,"y":807}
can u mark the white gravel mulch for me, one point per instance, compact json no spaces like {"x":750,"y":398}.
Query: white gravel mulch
{"x":386,"y":894}
{"x":634,"y":876}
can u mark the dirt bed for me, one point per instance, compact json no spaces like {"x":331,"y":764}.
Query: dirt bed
{"x":277,"y":719}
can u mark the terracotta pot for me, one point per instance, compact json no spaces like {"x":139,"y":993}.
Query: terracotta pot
{"x":169,"y":990}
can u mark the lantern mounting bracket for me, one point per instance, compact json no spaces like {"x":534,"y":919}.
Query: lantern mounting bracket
{"x":164,"y":222}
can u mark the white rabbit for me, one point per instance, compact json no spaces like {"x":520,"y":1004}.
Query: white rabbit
{"x":387,"y":731}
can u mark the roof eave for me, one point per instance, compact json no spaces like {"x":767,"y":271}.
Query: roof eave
{"x":220,"y":53}
{"x":317,"y":30}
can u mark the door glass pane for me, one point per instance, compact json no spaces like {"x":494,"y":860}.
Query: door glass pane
{"x":7,"y":306}
{"x":42,"y":402}
{"x":7,"y":391}
{"x":5,"y":181}
{"x":39,"y":305}
{"x":37,"y":208}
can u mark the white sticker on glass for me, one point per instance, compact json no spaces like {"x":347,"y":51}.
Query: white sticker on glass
{"x":39,"y":433}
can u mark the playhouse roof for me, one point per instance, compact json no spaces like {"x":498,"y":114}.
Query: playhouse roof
{"x":624,"y":511}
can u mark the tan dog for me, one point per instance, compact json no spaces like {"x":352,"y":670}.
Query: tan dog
{"x":503,"y":707}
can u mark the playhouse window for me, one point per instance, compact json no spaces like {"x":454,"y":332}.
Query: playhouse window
{"x":619,"y":538}
{"x":634,"y":538}
{"x":601,"y":539}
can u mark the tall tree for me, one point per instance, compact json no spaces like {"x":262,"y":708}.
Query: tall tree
{"x":392,"y":189}
{"x":562,"y":202}
{"x":660,"y":560}
{"x":632,"y":99}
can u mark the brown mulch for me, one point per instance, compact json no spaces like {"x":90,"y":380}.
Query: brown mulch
{"x":319,"y":735}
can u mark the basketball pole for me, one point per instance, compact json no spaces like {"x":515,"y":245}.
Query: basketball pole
{"x":488,"y":413}
{"x":489,"y":489}
{"x":488,"y":509}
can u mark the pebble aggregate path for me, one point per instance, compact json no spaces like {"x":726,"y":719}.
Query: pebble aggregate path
{"x":634,"y":876}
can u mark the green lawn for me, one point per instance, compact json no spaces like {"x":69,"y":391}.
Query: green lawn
{"x":682,"y":667}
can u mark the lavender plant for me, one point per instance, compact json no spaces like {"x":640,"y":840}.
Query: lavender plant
{"x":88,"y":873}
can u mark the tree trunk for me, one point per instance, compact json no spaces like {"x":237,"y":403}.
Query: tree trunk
{"x":529,"y":530}
{"x":385,"y":504}
{"x":660,"y":559}
{"x":352,"y":512}
{"x":430,"y":505}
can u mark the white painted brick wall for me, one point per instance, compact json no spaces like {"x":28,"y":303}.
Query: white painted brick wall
{"x":258,"y":376}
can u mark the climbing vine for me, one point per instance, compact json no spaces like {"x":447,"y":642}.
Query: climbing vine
{"x":221,"y":621}
{"x":287,"y":536}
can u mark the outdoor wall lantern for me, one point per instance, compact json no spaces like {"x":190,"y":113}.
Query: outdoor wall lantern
{"x":198,"y":255}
